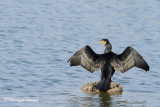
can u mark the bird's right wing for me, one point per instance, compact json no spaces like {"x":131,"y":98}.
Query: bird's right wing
{"x":128,"y":59}
{"x":88,"y":59}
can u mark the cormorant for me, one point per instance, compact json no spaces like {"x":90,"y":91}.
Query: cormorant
{"x":107,"y":71}
{"x":107,"y":62}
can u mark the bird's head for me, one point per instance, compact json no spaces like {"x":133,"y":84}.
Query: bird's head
{"x":104,"y":41}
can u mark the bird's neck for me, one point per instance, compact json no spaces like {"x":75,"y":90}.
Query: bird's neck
{"x":108,"y":48}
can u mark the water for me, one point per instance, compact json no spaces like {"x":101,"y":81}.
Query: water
{"x":37,"y":37}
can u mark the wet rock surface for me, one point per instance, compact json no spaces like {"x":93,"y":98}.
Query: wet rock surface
{"x":115,"y":88}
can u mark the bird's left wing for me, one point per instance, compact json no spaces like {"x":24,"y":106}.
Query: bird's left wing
{"x":88,"y":59}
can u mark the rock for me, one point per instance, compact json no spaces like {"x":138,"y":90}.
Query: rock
{"x":115,"y":88}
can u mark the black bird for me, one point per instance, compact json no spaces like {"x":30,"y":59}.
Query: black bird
{"x":107,"y":62}
{"x":107,"y":71}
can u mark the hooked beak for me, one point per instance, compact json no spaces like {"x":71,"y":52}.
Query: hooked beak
{"x":103,"y":42}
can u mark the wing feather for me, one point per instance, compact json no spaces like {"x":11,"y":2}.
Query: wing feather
{"x":128,"y":59}
{"x":88,"y":59}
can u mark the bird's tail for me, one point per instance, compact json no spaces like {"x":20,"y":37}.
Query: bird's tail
{"x":103,"y":85}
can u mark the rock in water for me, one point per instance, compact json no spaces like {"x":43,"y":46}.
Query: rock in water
{"x":115,"y":88}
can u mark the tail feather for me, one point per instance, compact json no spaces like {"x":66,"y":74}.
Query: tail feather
{"x":103,"y":85}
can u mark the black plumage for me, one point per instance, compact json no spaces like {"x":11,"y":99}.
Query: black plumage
{"x":107,"y":62}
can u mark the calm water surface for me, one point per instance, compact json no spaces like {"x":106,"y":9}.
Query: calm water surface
{"x":37,"y":37}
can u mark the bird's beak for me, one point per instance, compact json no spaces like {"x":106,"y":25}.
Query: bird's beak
{"x":103,"y":42}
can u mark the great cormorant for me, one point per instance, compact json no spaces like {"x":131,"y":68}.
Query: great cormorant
{"x":107,"y":62}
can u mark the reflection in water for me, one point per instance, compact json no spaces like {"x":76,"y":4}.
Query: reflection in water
{"x":105,"y":99}
{"x":94,"y":100}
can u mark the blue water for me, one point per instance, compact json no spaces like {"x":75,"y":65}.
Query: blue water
{"x":37,"y":37}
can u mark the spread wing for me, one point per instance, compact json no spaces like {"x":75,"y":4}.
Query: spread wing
{"x":128,"y":59}
{"x":88,"y":59}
